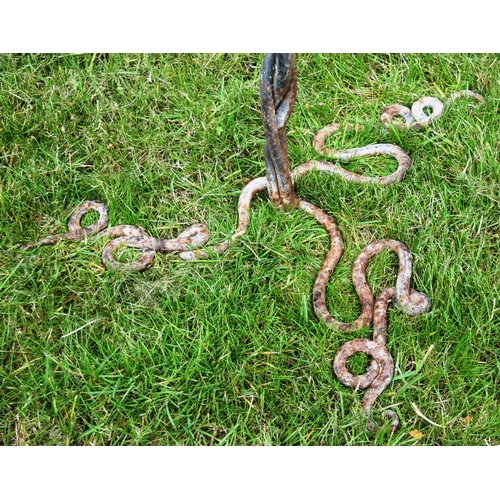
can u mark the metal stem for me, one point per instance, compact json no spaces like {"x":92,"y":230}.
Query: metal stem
{"x":278,"y":90}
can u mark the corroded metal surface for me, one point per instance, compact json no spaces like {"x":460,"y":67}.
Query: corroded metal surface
{"x":413,"y":303}
{"x":75,"y":230}
{"x":253,"y":187}
{"x":381,"y":369}
{"x":123,"y":235}
{"x":417,"y":118}
{"x":278,"y":90}
{"x":320,"y":137}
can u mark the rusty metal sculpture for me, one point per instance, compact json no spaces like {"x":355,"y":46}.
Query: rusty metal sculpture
{"x":278,"y":89}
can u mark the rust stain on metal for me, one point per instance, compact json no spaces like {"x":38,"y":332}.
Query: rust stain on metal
{"x":123,"y":235}
{"x":278,"y":90}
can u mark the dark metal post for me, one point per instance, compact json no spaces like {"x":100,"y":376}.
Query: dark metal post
{"x":278,"y":90}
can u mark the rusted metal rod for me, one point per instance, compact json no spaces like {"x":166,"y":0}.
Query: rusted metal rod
{"x":278,"y":90}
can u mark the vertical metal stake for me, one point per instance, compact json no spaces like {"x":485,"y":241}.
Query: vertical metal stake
{"x":278,"y":90}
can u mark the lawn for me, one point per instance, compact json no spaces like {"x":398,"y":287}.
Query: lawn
{"x":227,"y":350}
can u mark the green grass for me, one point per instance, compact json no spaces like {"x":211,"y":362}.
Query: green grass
{"x":228,"y":350}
